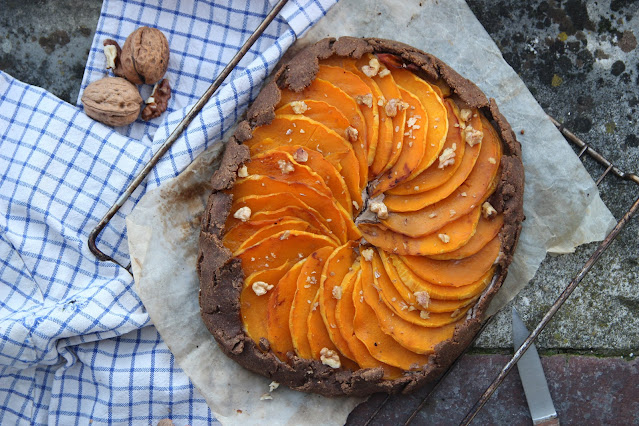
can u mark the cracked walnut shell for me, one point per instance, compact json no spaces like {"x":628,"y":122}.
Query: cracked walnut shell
{"x":112,"y":100}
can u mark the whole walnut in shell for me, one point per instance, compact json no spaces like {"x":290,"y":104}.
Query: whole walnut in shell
{"x":144,"y":57}
{"x":112,"y":100}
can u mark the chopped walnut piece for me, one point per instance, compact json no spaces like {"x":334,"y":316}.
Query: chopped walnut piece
{"x":423,"y":298}
{"x":372,"y":68}
{"x":383,"y":73}
{"x":330,"y":358}
{"x":381,"y":100}
{"x":300,"y":155}
{"x":492,"y":160}
{"x":337,"y":292}
{"x":445,"y":238}
{"x":243,"y":214}
{"x":111,"y":54}
{"x":367,"y":254}
{"x":487,"y":210}
{"x":355,"y":205}
{"x":378,"y":207}
{"x":393,"y":106}
{"x":351,"y":133}
{"x":157,"y":103}
{"x":473,"y":136}
{"x":366,"y":99}
{"x":455,"y":313}
{"x":448,"y":157}
{"x":285,"y":167}
{"x":260,"y":287}
{"x":242,"y":172}
{"x":299,"y":107}
{"x":424,"y":314}
{"x":465,"y":114}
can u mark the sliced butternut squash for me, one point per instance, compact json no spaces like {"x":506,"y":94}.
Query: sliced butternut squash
{"x":410,"y":297}
{"x":380,"y":345}
{"x":420,"y":340}
{"x":413,"y":148}
{"x":487,"y":229}
{"x":330,"y":174}
{"x":337,"y":268}
{"x":281,"y":165}
{"x":261,"y":232}
{"x":449,"y":238}
{"x":387,"y":154}
{"x":344,"y":314}
{"x":338,"y":219}
{"x":420,"y":199}
{"x":301,"y":130}
{"x":415,"y":283}
{"x":384,"y":126}
{"x":274,"y":251}
{"x":477,"y":187}
{"x":408,"y":310}
{"x":305,"y":292}
{"x":332,"y":117}
{"x":435,"y":175}
{"x":237,"y":235}
{"x":278,"y":310}
{"x":253,"y":308}
{"x":435,"y":110}
{"x":348,"y":85}
{"x":455,"y":272}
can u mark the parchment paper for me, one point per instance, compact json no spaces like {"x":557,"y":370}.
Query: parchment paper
{"x":561,"y":203}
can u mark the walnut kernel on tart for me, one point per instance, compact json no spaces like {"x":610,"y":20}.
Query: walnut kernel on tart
{"x":385,"y":197}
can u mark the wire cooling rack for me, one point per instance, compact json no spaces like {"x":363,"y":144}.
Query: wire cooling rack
{"x":366,"y":413}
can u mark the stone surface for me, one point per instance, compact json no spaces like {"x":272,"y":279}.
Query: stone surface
{"x":46,"y":43}
{"x":585,"y":390}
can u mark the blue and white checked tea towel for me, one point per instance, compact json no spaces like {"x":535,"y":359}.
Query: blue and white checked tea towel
{"x":76,"y":344}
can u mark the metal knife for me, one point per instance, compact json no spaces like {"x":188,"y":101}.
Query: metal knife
{"x":533,"y":379}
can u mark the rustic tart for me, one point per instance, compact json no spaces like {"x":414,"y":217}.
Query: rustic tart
{"x":363,"y":216}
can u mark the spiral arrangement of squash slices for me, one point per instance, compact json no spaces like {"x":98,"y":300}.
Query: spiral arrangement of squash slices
{"x":361,"y":218}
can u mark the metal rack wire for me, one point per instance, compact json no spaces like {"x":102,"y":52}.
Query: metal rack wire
{"x":377,"y":402}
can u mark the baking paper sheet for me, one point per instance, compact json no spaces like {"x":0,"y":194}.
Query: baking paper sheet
{"x":561,"y":203}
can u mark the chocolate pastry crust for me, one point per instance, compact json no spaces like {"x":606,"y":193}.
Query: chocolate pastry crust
{"x":221,"y":275}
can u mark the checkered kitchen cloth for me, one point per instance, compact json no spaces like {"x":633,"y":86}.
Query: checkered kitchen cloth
{"x":76,"y":344}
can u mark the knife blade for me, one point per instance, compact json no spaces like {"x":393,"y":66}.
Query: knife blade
{"x":533,"y":379}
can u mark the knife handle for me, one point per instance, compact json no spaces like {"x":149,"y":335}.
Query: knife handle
{"x":548,"y":422}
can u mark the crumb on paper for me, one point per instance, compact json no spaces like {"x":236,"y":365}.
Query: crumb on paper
{"x":272,"y":386}
{"x":266,"y":397}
